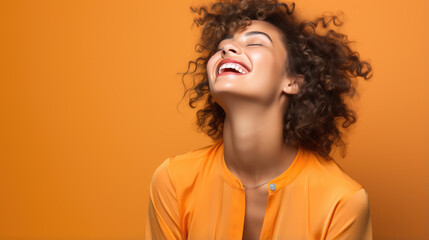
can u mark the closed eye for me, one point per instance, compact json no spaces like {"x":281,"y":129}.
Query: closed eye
{"x":251,"y":44}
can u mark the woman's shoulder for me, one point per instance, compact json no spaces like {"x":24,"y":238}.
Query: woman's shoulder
{"x":185,"y":162}
{"x":186,"y":166}
{"x":327,"y":175}
{"x":334,"y":192}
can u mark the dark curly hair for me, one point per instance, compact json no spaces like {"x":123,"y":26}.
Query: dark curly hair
{"x":318,"y":114}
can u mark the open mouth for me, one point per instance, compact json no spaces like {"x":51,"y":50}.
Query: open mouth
{"x":231,"y":67}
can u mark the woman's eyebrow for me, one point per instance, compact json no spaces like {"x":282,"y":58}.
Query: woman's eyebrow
{"x":250,"y":34}
{"x":257,"y":32}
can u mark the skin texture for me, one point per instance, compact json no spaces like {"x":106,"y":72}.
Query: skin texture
{"x":319,"y":115}
{"x":254,"y":104}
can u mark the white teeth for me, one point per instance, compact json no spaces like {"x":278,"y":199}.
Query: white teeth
{"x":237,"y":67}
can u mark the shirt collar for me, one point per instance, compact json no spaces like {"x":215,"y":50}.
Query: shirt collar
{"x":280,"y":181}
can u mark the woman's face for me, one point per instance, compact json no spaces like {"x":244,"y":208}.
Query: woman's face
{"x":250,"y":64}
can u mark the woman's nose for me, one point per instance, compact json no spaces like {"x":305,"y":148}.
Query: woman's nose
{"x":231,"y":49}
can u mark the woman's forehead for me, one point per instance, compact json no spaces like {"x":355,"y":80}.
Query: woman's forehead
{"x":260,"y":26}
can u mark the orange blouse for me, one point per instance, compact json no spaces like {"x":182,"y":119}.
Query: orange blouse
{"x":195,"y":196}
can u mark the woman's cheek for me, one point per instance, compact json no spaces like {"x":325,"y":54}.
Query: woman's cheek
{"x":209,"y":68}
{"x":261,"y":59}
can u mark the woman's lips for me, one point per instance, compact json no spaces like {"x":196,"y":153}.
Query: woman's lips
{"x":231,"y":66}
{"x":229,"y":73}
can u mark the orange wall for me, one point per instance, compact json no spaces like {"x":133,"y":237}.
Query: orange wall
{"x":88,"y":95}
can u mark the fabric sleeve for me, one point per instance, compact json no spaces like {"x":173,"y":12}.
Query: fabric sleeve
{"x":352,"y":220}
{"x":163,"y":220}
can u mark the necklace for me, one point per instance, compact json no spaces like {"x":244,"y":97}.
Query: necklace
{"x":258,"y":185}
{"x":254,"y":186}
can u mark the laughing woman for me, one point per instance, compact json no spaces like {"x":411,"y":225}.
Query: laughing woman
{"x":275,"y":90}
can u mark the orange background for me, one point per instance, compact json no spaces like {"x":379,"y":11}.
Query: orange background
{"x":88,"y":96}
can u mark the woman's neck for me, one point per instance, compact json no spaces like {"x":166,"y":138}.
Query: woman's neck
{"x":254,"y":149}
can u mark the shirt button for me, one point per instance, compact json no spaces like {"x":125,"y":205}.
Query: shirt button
{"x":272,"y":187}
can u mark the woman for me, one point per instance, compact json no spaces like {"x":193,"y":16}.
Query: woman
{"x":275,"y":91}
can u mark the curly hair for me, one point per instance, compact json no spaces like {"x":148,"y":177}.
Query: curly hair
{"x":315,"y":117}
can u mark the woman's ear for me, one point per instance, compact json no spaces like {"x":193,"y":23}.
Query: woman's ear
{"x":293,"y":84}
